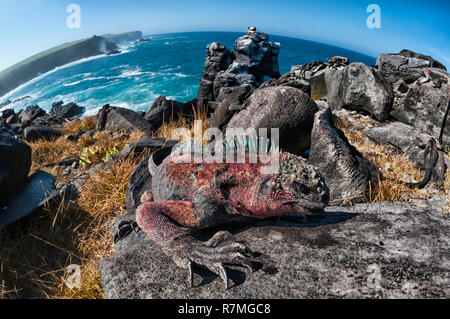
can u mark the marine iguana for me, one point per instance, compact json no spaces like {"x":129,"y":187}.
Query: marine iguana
{"x":435,"y":167}
{"x":189,"y":196}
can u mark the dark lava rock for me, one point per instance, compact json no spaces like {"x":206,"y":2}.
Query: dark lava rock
{"x":412,"y":54}
{"x":12,"y":119}
{"x":406,"y":65}
{"x":164,"y":111}
{"x":292,"y":79}
{"x":425,"y":107}
{"x":15,"y":162}
{"x":75,"y":136}
{"x":283,"y":107}
{"x":359,"y":87}
{"x":113,"y":52}
{"x":338,"y":61}
{"x":28,"y":198}
{"x":113,"y":118}
{"x":347,"y":173}
{"x":7,"y":113}
{"x":257,"y":54}
{"x":36,"y":132}
{"x":230,"y":101}
{"x":380,"y":250}
{"x":141,"y":179}
{"x":68,"y":111}
{"x":253,"y":61}
{"x":314,"y":74}
{"x":31,"y":113}
{"x":218,"y":59}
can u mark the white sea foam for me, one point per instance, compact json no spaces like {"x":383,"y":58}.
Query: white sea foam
{"x":120,"y":67}
{"x":83,"y":80}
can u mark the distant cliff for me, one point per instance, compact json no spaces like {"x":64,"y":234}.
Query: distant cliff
{"x":28,"y":69}
{"x":123,"y":37}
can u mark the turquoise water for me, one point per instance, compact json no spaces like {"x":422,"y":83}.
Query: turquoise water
{"x":170,"y":65}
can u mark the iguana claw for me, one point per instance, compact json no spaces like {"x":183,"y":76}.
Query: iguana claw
{"x":223,"y":275}
{"x":189,"y":252}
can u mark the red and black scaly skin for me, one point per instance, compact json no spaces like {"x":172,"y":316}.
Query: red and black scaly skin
{"x":201,"y":195}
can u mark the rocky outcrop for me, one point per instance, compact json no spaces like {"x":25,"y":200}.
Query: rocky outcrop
{"x":67,"y":111}
{"x":20,"y":195}
{"x":425,"y":105}
{"x":422,"y":94}
{"x":394,"y":67}
{"x":229,"y":104}
{"x":32,"y":116}
{"x":113,"y":118}
{"x":9,"y":102}
{"x":381,"y":250}
{"x":253,"y":61}
{"x":292,"y":79}
{"x":15,"y":163}
{"x":347,"y":173}
{"x":165,"y":111}
{"x":313,"y":74}
{"x":399,"y":137}
{"x":218,"y":59}
{"x":31,"y":113}
{"x":412,"y":54}
{"x":37,"y":132}
{"x":359,"y":87}
{"x":286,"y":108}
{"x":256,"y":55}
{"x":36,"y":192}
{"x":45,"y":61}
{"x":353,"y":86}
{"x":406,"y":65}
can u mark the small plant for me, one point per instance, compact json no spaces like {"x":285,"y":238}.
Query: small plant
{"x":96,"y":154}
{"x":110,"y":152}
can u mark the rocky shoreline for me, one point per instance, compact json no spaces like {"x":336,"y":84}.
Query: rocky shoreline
{"x":400,"y":104}
{"x":26,"y":70}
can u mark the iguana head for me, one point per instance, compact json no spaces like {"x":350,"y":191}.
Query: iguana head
{"x":297,"y":187}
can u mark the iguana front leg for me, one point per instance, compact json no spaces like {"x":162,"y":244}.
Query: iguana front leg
{"x":156,"y":219}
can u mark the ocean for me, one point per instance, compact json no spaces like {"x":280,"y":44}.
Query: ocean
{"x":170,"y":65}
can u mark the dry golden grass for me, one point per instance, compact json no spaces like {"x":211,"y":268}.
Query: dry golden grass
{"x":84,"y":124}
{"x":34,"y":257}
{"x":103,"y":199}
{"x":396,"y":170}
{"x":200,"y":114}
{"x":34,"y":260}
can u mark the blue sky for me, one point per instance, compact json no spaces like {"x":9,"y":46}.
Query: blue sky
{"x":30,"y":26}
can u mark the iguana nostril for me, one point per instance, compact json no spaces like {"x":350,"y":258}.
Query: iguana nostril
{"x":301,"y":188}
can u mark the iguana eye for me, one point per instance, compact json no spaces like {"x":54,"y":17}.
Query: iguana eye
{"x":266,"y":186}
